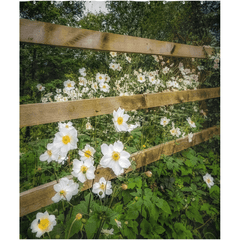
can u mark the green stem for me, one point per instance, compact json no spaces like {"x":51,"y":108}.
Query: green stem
{"x":48,"y":235}
{"x":71,"y":227}
{"x":202,"y":225}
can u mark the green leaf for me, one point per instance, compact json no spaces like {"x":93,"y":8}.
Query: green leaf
{"x":131,"y":214}
{"x":181,"y":232}
{"x":92,"y":225}
{"x":129,"y":233}
{"x":193,"y":214}
{"x":163,"y":205}
{"x":146,"y":229}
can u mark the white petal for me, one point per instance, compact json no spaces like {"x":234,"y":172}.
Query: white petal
{"x":124,"y":163}
{"x":118,"y":146}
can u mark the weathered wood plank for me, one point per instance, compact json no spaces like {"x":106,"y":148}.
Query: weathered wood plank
{"x":39,"y":197}
{"x":41,"y":113}
{"x":63,"y":36}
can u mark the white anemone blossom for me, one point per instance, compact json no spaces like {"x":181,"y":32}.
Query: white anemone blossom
{"x":40,"y":87}
{"x":175,"y":132}
{"x":102,"y":188}
{"x":87,"y":153}
{"x":43,"y":223}
{"x":69,"y":85}
{"x":67,"y":126}
{"x":107,"y":232}
{"x":50,"y":155}
{"x":83,"y":170}
{"x":82,"y":71}
{"x":141,"y":78}
{"x":209,"y":180}
{"x":164,"y":121}
{"x":190,"y":137}
{"x":191,"y":123}
{"x":104,"y":87}
{"x":133,"y":126}
{"x":65,"y":140}
{"x":65,"y":190}
{"x":114,"y":157}
{"x":120,"y":119}
{"x":100,"y":77}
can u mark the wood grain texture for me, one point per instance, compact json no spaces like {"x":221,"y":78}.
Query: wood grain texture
{"x":41,"y":113}
{"x":63,"y":36}
{"x":36,"y":198}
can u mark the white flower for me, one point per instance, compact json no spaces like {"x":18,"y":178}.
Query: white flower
{"x":88,"y":126}
{"x":190,"y":136}
{"x":104,"y":87}
{"x":173,"y":131}
{"x":106,"y":78}
{"x":82,"y":71}
{"x":61,"y":158}
{"x":40,"y":87}
{"x":69,"y":85}
{"x":119,"y":120}
{"x":83,"y":170}
{"x":58,"y":90}
{"x":87,"y":153}
{"x":44,"y":100}
{"x":175,"y":84}
{"x":102,"y":188}
{"x":123,"y":94}
{"x":178,"y":132}
{"x":141,"y":78}
{"x":43,"y":223}
{"x":155,"y":58}
{"x":164,"y":121}
{"x":169,"y":84}
{"x":209,"y":180}
{"x":94,"y":86}
{"x":66,"y":140}
{"x":152,"y":80}
{"x":100,"y":77}
{"x":131,"y":126}
{"x":165,"y":70}
{"x":107,"y":232}
{"x":85,"y":90}
{"x":113,"y":66}
{"x":119,"y":224}
{"x":82,"y":81}
{"x":128,"y":59}
{"x":50,"y":155}
{"x":114,"y":157}
{"x":113,"y":54}
{"x":67,"y":126}
{"x":191,"y":123}
{"x":65,"y":190}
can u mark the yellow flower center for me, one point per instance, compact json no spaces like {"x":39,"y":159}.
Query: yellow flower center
{"x":100,"y":77}
{"x":140,"y":78}
{"x":66,"y":139}
{"x":102,"y":186}
{"x":84,"y":169}
{"x":165,"y":122}
{"x":49,"y":152}
{"x":208,"y":180}
{"x":191,"y":122}
{"x":120,"y":120}
{"x":104,"y":86}
{"x":43,"y":224}
{"x":115,"y":156}
{"x":62,"y":192}
{"x":69,"y":85}
{"x":87,"y":153}
{"x":66,"y":126}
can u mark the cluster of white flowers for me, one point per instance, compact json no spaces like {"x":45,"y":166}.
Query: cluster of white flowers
{"x":65,"y":140}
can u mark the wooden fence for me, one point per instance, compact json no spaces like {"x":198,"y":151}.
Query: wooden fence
{"x":41,"y":113}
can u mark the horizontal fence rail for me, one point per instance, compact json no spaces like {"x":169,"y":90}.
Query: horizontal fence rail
{"x":38,"y":197}
{"x":41,"y":113}
{"x":63,"y":36}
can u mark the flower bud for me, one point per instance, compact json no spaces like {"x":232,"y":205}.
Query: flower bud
{"x":84,"y":220}
{"x":126,"y":222}
{"x":78,"y":216}
{"x":100,"y":193}
{"x":124,"y":186}
{"x":136,"y":198}
{"x":148,"y":173}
